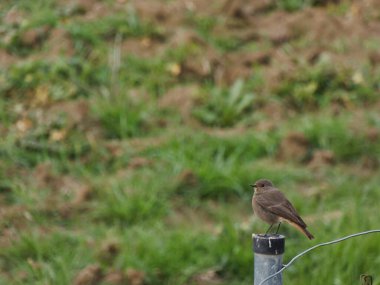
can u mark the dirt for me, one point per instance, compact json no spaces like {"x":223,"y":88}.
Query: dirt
{"x":66,"y":194}
{"x":201,"y":65}
{"x":174,"y":13}
{"x":139,"y":162}
{"x":76,"y":112}
{"x":116,"y":277}
{"x":181,"y":99}
{"x":135,"y":277}
{"x":90,"y":275}
{"x":294,"y":147}
{"x":17,"y":215}
{"x":321,"y":158}
{"x":187,"y":178}
{"x":185,"y":36}
{"x":6,"y":58}
{"x":33,"y":37}
{"x":13,"y":17}
{"x":59,"y":44}
{"x":241,"y":9}
{"x":373,"y":134}
{"x":143,"y":48}
{"x":207,"y":277}
{"x":88,"y":10}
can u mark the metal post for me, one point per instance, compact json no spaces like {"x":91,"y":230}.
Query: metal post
{"x":268,"y":251}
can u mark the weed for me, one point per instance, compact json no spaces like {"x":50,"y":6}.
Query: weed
{"x":223,"y":107}
{"x":121,"y":117}
{"x":324,"y":84}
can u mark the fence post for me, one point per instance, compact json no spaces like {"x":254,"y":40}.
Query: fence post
{"x":268,"y":251}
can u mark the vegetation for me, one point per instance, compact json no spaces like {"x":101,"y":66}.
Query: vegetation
{"x":130,"y":133}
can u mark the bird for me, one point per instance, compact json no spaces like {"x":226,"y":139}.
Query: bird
{"x":271,"y":205}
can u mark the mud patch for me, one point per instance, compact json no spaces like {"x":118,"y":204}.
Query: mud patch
{"x":90,"y":275}
{"x":180,"y":99}
{"x":294,"y":147}
{"x":135,"y":277}
{"x":322,"y":158}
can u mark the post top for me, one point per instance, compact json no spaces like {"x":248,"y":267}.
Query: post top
{"x":272,"y":244}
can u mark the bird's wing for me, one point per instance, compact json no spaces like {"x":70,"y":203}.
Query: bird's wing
{"x":275,"y":202}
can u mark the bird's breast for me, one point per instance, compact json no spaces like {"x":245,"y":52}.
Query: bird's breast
{"x":263,"y":213}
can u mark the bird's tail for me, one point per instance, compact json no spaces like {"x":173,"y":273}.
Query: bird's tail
{"x":301,"y":229}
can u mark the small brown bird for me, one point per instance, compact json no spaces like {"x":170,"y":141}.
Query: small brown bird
{"x":271,"y":205}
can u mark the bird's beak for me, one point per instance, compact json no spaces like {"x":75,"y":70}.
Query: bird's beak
{"x":253,"y":185}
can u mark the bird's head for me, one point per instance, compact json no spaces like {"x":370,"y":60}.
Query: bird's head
{"x":262,"y":184}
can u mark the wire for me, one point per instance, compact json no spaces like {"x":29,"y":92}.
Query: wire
{"x":285,"y":266}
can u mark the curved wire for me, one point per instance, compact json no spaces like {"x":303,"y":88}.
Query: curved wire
{"x":314,"y":247}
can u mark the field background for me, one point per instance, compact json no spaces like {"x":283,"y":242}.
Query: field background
{"x":130,"y":131}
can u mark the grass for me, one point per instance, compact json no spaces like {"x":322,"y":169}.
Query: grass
{"x":67,"y":79}
{"x":225,"y":107}
{"x":95,"y":170}
{"x":337,"y":135}
{"x":295,"y":5}
{"x":323,"y":84}
{"x":121,"y":117}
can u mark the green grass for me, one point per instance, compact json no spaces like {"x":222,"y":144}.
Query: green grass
{"x":40,"y":15}
{"x":169,"y":186}
{"x":295,"y":5}
{"x":61,"y":79}
{"x":323,"y":84}
{"x":121,"y":117}
{"x":224,"y":108}
{"x":339,"y":135}
{"x":93,"y":33}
